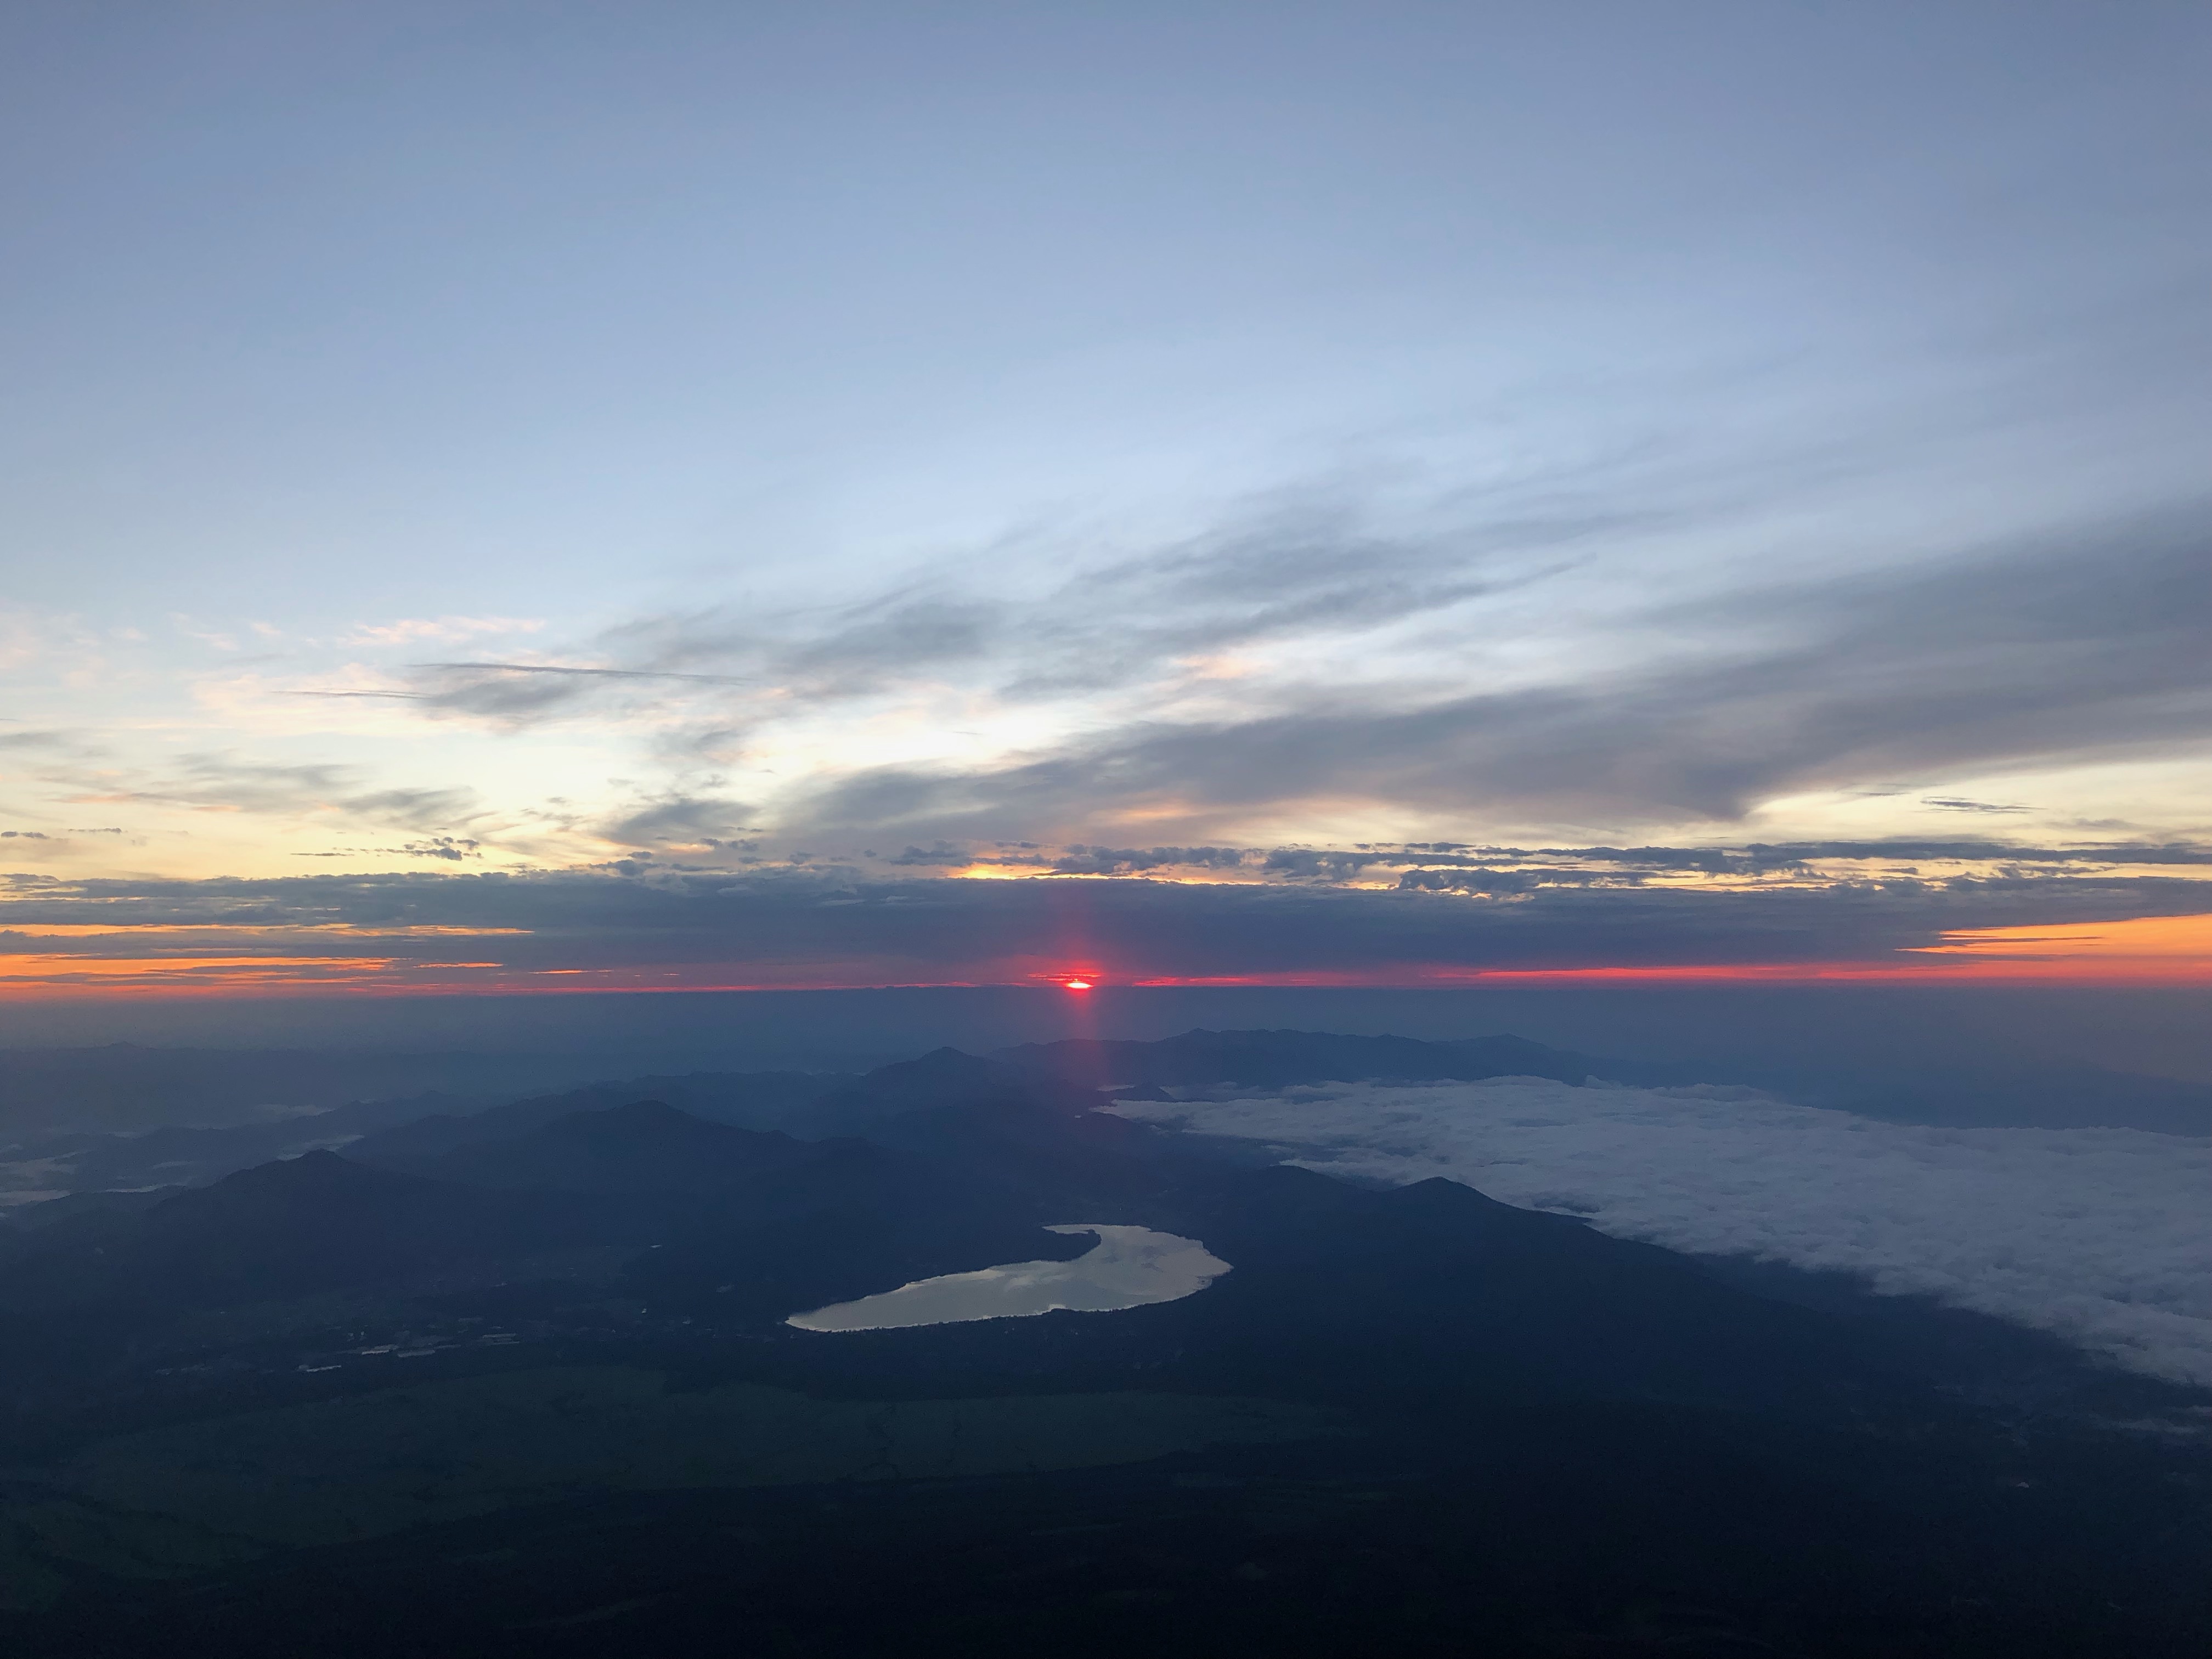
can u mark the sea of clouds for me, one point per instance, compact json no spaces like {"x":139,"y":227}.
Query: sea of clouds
{"x":2101,"y":1235}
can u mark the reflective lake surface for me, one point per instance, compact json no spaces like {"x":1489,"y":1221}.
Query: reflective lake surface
{"x":1131,"y":1268}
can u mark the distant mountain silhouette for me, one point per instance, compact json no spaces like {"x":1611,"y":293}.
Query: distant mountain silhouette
{"x":176,"y":1156}
{"x":795,"y":1223}
{"x":1275,"y":1059}
{"x":122,"y":1086}
{"x":752,"y":1100}
{"x":312,"y":1223}
{"x":77,"y":1209}
{"x":944,"y":1077}
{"x":764,"y":1225}
{"x":646,"y":1146}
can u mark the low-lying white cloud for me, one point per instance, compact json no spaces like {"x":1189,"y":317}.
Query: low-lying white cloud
{"x":2099,"y":1236}
{"x":1130,"y":1268}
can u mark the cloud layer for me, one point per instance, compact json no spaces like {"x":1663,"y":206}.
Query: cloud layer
{"x":2098,"y":1235}
{"x":1512,"y":669}
{"x":1487,"y":668}
{"x":641,"y":924}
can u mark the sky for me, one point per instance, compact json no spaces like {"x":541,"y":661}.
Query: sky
{"x":560,"y":497}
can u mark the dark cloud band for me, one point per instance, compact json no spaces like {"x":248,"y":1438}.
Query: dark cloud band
{"x":823,"y":928}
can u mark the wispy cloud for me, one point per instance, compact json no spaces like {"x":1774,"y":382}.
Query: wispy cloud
{"x":1491,"y":666}
{"x":521,"y":694}
{"x":682,"y":820}
{"x":1301,"y":567}
{"x":223,"y":783}
{"x":1301,"y":661}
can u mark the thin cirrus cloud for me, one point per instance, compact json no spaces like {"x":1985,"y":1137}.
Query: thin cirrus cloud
{"x":1277,"y":571}
{"x":2095,"y":1235}
{"x":226,"y":784}
{"x":520,"y":694}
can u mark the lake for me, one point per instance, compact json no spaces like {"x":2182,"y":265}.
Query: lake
{"x":1129,"y":1267}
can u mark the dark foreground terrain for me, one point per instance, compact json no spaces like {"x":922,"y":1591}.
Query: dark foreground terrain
{"x":517,"y":1381}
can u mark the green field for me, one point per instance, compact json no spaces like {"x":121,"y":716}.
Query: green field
{"x":182,"y":1499}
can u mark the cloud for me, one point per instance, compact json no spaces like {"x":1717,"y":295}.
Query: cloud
{"x":1306,"y":565}
{"x":518,"y":694}
{"x":660,"y":923}
{"x":38,"y":741}
{"x":1959,"y":804}
{"x":2069,"y":649}
{"x":453,"y":848}
{"x":1490,"y":666}
{"x":219,"y":782}
{"x":1300,"y":565}
{"x":1782,"y":854}
{"x":1135,"y":861}
{"x":2096,"y":1235}
{"x":438,"y":630}
{"x":880,"y":642}
{"x":681,"y":820}
{"x":1497,"y":659}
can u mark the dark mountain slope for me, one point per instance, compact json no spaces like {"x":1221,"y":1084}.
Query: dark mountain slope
{"x":709,"y":1175}
{"x":122,"y":1086}
{"x":942,"y":1077}
{"x":1435,"y":1292}
{"x":1045,"y":1139}
{"x":1274,"y":1058}
{"x":752,"y":1100}
{"x":754,"y":1227}
{"x":93,"y":1210}
{"x":180,"y":1155}
{"x":308,"y":1223}
{"x":646,"y":1146}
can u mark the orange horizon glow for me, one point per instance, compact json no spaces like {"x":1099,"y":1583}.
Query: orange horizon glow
{"x":248,"y":930}
{"x":2143,"y":938}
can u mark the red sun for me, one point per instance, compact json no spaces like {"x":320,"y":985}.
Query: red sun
{"x":1075,"y":984}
